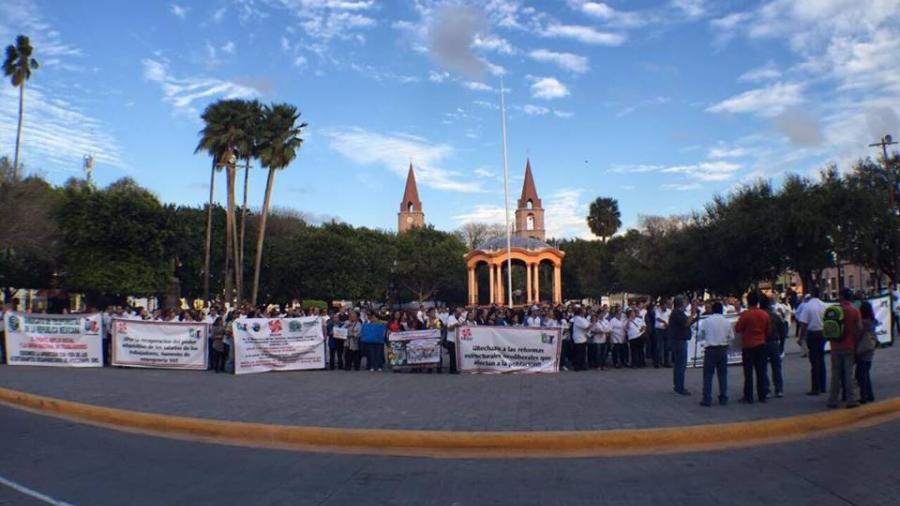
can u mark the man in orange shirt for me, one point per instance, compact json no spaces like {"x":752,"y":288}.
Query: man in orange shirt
{"x":842,"y":354}
{"x":753,"y":326}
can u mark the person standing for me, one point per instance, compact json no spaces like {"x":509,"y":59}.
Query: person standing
{"x":680,"y":334}
{"x":754,"y":326}
{"x":843,"y":351}
{"x":774,"y":344}
{"x":810,"y":317}
{"x":865,"y":352}
{"x":634,"y":331}
{"x":617,"y":339}
{"x":664,"y":344}
{"x":454,"y":321}
{"x":352,"y":358}
{"x":717,"y":333}
{"x":600,"y":333}
{"x":335,"y":345}
{"x":580,"y":327}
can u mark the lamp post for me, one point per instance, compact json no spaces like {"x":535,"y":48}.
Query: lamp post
{"x":886,"y":141}
{"x":506,"y":195}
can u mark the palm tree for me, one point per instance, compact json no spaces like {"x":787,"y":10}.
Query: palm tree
{"x":18,"y":66}
{"x":604,"y":218}
{"x":248,"y":148}
{"x":279,"y":143}
{"x":219,"y":137}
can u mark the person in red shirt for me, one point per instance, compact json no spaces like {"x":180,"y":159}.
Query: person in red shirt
{"x":753,"y":327}
{"x":842,"y":354}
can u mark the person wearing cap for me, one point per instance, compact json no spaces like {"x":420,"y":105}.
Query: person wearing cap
{"x":680,"y":334}
{"x":843,"y":351}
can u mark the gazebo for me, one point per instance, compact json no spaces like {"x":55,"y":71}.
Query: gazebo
{"x":526,"y":251}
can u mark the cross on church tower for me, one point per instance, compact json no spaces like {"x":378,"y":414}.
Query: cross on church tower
{"x":530,"y":214}
{"x":411,"y":214}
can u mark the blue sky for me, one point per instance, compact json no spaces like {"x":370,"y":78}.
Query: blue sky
{"x":658,"y":104}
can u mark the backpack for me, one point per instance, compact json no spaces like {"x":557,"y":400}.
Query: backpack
{"x":833,"y":323}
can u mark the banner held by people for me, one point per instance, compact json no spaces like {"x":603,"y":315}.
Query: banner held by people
{"x":160,"y":345}
{"x":278,"y":344}
{"x":696,"y":347}
{"x":416,"y":348}
{"x":53,"y":340}
{"x":508,"y":349}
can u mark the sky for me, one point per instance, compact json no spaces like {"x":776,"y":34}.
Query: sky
{"x":658,"y":104}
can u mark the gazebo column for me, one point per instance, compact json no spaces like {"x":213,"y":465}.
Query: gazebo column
{"x":537,"y":282}
{"x":500,"y":286}
{"x":472,"y":287}
{"x":557,"y":284}
{"x":493,"y":284}
{"x":529,"y":292}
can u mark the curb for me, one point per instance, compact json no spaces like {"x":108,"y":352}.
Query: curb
{"x":447,"y":444}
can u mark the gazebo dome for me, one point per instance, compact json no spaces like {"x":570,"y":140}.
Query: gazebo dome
{"x":499,"y":244}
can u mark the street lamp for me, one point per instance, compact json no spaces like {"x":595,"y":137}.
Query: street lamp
{"x":886,"y":141}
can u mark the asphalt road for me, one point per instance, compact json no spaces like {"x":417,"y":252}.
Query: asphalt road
{"x":83,"y":465}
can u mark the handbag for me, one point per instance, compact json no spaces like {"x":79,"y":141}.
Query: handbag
{"x":867,"y":343}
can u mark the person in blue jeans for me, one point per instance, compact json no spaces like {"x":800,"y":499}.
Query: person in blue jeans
{"x":774,"y":344}
{"x":717,"y":333}
{"x":680,"y":334}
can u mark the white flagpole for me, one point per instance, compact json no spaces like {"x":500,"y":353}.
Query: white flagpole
{"x":506,"y":195}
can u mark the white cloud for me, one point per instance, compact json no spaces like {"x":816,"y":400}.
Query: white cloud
{"x":548,"y":88}
{"x":770,"y":100}
{"x":724,"y":152}
{"x":705,"y":171}
{"x":493,"y":43}
{"x":324,"y":20}
{"x":567,"y":61}
{"x":680,"y":187}
{"x":57,"y":133}
{"x":178,"y":11}
{"x":566,"y":215}
{"x":394,"y":151}
{"x":535,"y":110}
{"x":482,"y":213}
{"x":585,"y":34}
{"x":641,"y":105}
{"x":24,"y":16}
{"x":219,"y":14}
{"x":613,"y":17}
{"x":690,"y":8}
{"x":476,"y":86}
{"x":438,"y":77}
{"x":229,"y":47}
{"x":299,"y":60}
{"x":184,"y":93}
{"x":767,"y":72}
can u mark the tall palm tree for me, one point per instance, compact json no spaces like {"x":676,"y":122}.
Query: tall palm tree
{"x":248,"y":149}
{"x":18,"y":66}
{"x":280,"y":141}
{"x":220,"y":136}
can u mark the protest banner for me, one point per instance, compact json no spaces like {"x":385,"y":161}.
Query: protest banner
{"x":416,"y":348}
{"x":508,"y":349}
{"x":881,"y":306}
{"x":339,"y":333}
{"x":53,"y":340}
{"x":278,"y":344}
{"x":159,"y":345}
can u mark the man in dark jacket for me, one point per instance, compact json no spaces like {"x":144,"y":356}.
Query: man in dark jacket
{"x":680,"y":334}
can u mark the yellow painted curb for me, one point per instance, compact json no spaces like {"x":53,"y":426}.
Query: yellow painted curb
{"x":448,"y":444}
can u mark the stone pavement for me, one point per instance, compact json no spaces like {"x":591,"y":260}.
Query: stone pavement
{"x":611,"y":399}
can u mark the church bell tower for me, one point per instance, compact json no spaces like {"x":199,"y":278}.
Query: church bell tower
{"x":411,"y":214}
{"x":530,"y":214}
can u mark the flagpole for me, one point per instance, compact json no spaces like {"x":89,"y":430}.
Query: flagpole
{"x":506,"y":195}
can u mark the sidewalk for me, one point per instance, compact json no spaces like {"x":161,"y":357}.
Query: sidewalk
{"x":611,"y":399}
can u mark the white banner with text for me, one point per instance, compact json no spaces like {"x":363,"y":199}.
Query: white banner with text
{"x":161,"y":345}
{"x":72,"y":340}
{"x":278,"y":344}
{"x":508,"y":349}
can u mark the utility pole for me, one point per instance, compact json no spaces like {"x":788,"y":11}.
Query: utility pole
{"x":89,"y":169}
{"x":884,"y":142}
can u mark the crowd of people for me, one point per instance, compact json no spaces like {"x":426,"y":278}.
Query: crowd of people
{"x":637,"y":335}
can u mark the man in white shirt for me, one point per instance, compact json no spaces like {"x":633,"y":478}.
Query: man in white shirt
{"x":580,"y":327}
{"x":534,"y":320}
{"x":717,"y":332}
{"x":810,"y":317}
{"x":453,"y":322}
{"x":663,"y":312}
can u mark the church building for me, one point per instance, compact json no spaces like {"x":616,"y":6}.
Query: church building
{"x":410,"y":215}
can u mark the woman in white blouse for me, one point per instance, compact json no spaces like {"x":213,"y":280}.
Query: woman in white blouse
{"x":600,"y":335}
{"x":617,"y":339}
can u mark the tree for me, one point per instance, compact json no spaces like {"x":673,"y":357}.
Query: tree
{"x":18,"y":66}
{"x":28,"y":233}
{"x":604,"y":218}
{"x":279,"y":142}
{"x":804,"y":229}
{"x":475,"y":234}
{"x":248,"y":149}
{"x":430,"y":264}
{"x":220,"y":136}
{"x":113,"y":241}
